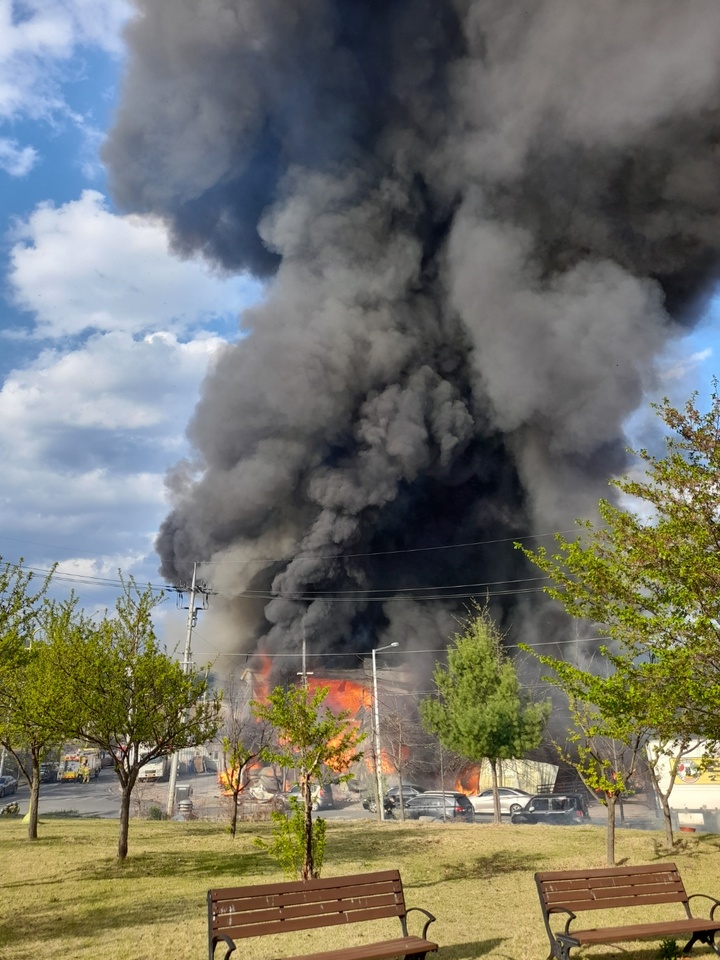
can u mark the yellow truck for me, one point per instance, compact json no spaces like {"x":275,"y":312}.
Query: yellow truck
{"x":79,"y":766}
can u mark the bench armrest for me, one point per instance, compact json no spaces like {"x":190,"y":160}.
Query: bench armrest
{"x":430,"y":919}
{"x":706,"y":896}
{"x":570,"y":917}
{"x":230,"y":943}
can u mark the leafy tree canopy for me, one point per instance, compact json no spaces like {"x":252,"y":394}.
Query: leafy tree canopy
{"x":649,"y":577}
{"x":481,"y":710}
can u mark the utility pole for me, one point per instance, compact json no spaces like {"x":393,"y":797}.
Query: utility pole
{"x":376,"y":731}
{"x":304,"y":672}
{"x":185,"y":668}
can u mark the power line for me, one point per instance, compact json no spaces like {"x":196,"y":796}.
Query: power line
{"x":389,"y":553}
{"x":333,"y":556}
{"x":397,"y":596}
{"x":366,"y":653}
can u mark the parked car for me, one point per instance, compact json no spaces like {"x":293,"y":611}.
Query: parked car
{"x":48,"y":772}
{"x":568,"y":808}
{"x":322,"y":797}
{"x":409,"y":790}
{"x":392,"y":797}
{"x":370,"y":804}
{"x":511,"y":801}
{"x":440,"y":806}
{"x":8,"y":785}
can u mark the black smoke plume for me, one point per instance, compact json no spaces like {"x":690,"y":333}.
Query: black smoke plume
{"x":480,"y":221}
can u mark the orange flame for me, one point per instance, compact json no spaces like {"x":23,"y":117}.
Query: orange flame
{"x":343,"y":695}
{"x":468,"y":779}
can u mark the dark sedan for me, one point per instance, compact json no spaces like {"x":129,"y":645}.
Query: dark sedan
{"x":7,"y":785}
{"x":566,"y":808}
{"x":440,"y":806}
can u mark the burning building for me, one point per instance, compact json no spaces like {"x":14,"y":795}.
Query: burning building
{"x":479,"y":224}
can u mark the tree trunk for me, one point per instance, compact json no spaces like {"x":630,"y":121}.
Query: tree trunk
{"x":34,"y":799}
{"x":308,"y":867}
{"x":611,"y":830}
{"x":400,"y":805}
{"x":496,"y":796}
{"x":667,"y":820}
{"x":233,"y":819}
{"x":126,"y":792}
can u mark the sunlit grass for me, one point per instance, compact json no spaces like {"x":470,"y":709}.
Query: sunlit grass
{"x":66,"y":896}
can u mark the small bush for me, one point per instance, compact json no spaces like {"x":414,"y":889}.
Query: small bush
{"x":668,"y":949}
{"x":155,"y":813}
{"x":287,"y":846}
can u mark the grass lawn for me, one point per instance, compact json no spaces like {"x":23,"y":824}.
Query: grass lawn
{"x":66,"y":897}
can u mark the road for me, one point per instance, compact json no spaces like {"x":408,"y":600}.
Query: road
{"x":101,"y":798}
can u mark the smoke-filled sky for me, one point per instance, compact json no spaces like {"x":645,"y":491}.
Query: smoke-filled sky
{"x":480,"y":225}
{"x":484,"y":234}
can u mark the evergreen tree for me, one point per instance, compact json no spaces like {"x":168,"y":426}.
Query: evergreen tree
{"x":480,"y":711}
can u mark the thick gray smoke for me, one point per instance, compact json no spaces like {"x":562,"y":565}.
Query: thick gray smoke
{"x":480,"y":222}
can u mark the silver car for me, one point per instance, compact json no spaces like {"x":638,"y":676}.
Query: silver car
{"x":511,"y":801}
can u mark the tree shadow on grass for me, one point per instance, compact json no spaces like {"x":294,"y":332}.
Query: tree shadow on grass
{"x":467,"y":951}
{"x":223,"y":869}
{"x":52,"y":920}
{"x":697,"y":845}
{"x":355,"y":846}
{"x":485,"y":867}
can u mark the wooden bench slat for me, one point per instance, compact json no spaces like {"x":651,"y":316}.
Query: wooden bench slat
{"x":307,"y":886}
{"x":644,"y":931}
{"x":599,"y":893}
{"x":279,"y":900}
{"x":374,"y":951}
{"x":383,"y":905}
{"x":600,"y":883}
{"x":607,"y":872}
{"x":301,"y":923}
{"x":582,"y":900}
{"x":276,"y":902}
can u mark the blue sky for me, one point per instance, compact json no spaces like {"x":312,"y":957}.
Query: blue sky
{"x":105,"y":335}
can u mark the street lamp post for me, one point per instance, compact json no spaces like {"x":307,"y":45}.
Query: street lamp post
{"x":376,"y":715}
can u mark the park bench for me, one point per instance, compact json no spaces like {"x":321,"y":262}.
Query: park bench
{"x":238,"y":912}
{"x":569,"y":892}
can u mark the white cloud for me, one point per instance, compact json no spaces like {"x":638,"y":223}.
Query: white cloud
{"x":14,"y":159}
{"x":86,"y":436}
{"x":132,"y":391}
{"x":80,"y":267}
{"x":89,"y":427}
{"x":38,"y":38}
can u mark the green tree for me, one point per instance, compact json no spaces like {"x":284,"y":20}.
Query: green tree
{"x":649,"y":579}
{"x":480,"y":710}
{"x":609,"y":731}
{"x":20,"y":606}
{"x":31,"y":727}
{"x":644,"y":706}
{"x":26,"y":729}
{"x":313,"y":740}
{"x":243,"y":740}
{"x":131,"y":698}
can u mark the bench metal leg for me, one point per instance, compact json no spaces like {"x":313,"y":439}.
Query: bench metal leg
{"x":560,"y":950}
{"x":414,"y":956}
{"x":707,"y":938}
